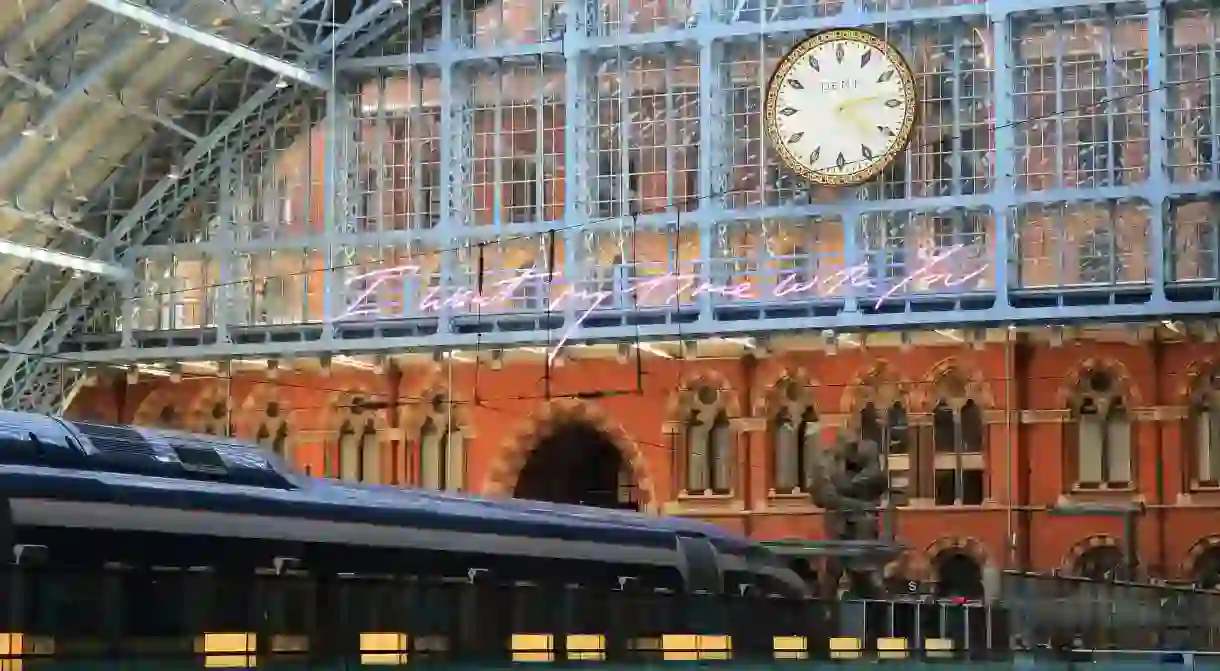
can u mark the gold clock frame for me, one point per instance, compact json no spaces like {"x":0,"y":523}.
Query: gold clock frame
{"x":906,"y":77}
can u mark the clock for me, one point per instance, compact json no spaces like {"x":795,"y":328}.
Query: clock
{"x":840,"y":107}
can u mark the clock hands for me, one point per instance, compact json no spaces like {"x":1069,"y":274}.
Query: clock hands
{"x":843,"y":107}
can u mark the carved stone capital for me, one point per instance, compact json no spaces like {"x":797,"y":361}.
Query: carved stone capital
{"x":1056,"y":416}
{"x":835,"y":420}
{"x":748,"y":424}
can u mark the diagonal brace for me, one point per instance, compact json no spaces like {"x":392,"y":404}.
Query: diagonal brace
{"x":149,"y":17}
{"x":63,"y":260}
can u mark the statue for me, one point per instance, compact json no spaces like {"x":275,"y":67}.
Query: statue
{"x":849,"y":483}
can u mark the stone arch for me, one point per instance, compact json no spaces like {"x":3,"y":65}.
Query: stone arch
{"x":970,"y":378}
{"x":153,"y":407}
{"x":201,"y":411}
{"x":676,"y":405}
{"x":341,"y":410}
{"x":250,"y":413}
{"x":1071,"y":560}
{"x":1196,"y":379}
{"x":505,"y":469}
{"x":1077,"y":376}
{"x":339,"y":404}
{"x":912,"y":564}
{"x":415,"y":411}
{"x":966,"y":545}
{"x":1200,"y":548}
{"x":879,"y":383}
{"x":766,"y":403}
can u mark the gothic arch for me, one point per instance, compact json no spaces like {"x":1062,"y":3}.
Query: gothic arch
{"x":675,"y":406}
{"x":502,"y":477}
{"x":1191,"y":563}
{"x":863,"y":387}
{"x":1194,"y":379}
{"x":252,"y":411}
{"x":912,"y":564}
{"x":150,"y":410}
{"x":199,"y":412}
{"x":1124,"y":383}
{"x":416,"y":410}
{"x":339,"y":404}
{"x":967,"y":545}
{"x":765,"y":403}
{"x":1072,"y":559}
{"x":974,"y":385}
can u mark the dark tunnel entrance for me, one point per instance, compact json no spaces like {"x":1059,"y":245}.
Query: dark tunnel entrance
{"x":577,"y":464}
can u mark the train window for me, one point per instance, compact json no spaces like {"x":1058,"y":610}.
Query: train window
{"x":17,"y":448}
{"x":65,"y":606}
{"x":230,"y":602}
{"x":153,"y":604}
{"x":297,"y":598}
{"x":199,"y":460}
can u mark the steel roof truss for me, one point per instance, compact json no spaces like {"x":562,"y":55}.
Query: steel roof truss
{"x":174,"y":26}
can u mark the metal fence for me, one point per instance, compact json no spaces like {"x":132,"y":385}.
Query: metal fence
{"x":1111,"y":615}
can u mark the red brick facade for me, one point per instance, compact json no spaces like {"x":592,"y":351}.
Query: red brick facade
{"x":1029,"y":461}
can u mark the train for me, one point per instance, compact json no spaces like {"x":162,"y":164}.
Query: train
{"x":79,"y":495}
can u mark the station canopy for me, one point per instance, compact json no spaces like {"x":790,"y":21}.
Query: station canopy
{"x":114,"y":116}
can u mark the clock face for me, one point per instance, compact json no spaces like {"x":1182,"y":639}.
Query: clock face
{"x":841,"y":107}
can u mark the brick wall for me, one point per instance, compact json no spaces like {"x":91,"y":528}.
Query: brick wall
{"x":1028,"y":460}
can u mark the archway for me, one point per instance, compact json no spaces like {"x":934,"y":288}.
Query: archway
{"x":1101,"y":563}
{"x":1207,"y":569}
{"x":958,"y":575}
{"x":575,"y":463}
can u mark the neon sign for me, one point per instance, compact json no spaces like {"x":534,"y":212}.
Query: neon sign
{"x":934,"y":271}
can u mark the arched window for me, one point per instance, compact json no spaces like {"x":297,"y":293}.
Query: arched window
{"x":357,"y":458}
{"x":273,"y":429}
{"x":794,"y":438}
{"x":886,"y":424}
{"x":959,"y":442}
{"x":1206,"y":570}
{"x":1205,"y":415}
{"x":1102,"y":563}
{"x":442,"y":455}
{"x":216,"y":420}
{"x":1101,"y":429}
{"x":168,"y":416}
{"x":708,"y":444}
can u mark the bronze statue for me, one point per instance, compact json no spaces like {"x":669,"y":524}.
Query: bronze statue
{"x":849,"y":482}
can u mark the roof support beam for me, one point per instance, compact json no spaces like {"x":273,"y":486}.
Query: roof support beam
{"x":70,"y":261}
{"x":149,"y":17}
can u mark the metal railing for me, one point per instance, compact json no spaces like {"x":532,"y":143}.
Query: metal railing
{"x":1112,"y":615}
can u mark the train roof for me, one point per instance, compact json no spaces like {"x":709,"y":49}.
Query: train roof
{"x":216,"y":472}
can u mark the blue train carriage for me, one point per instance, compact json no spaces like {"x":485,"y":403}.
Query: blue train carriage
{"x":144,"y":496}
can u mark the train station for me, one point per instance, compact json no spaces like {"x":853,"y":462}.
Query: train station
{"x":680,"y":258}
